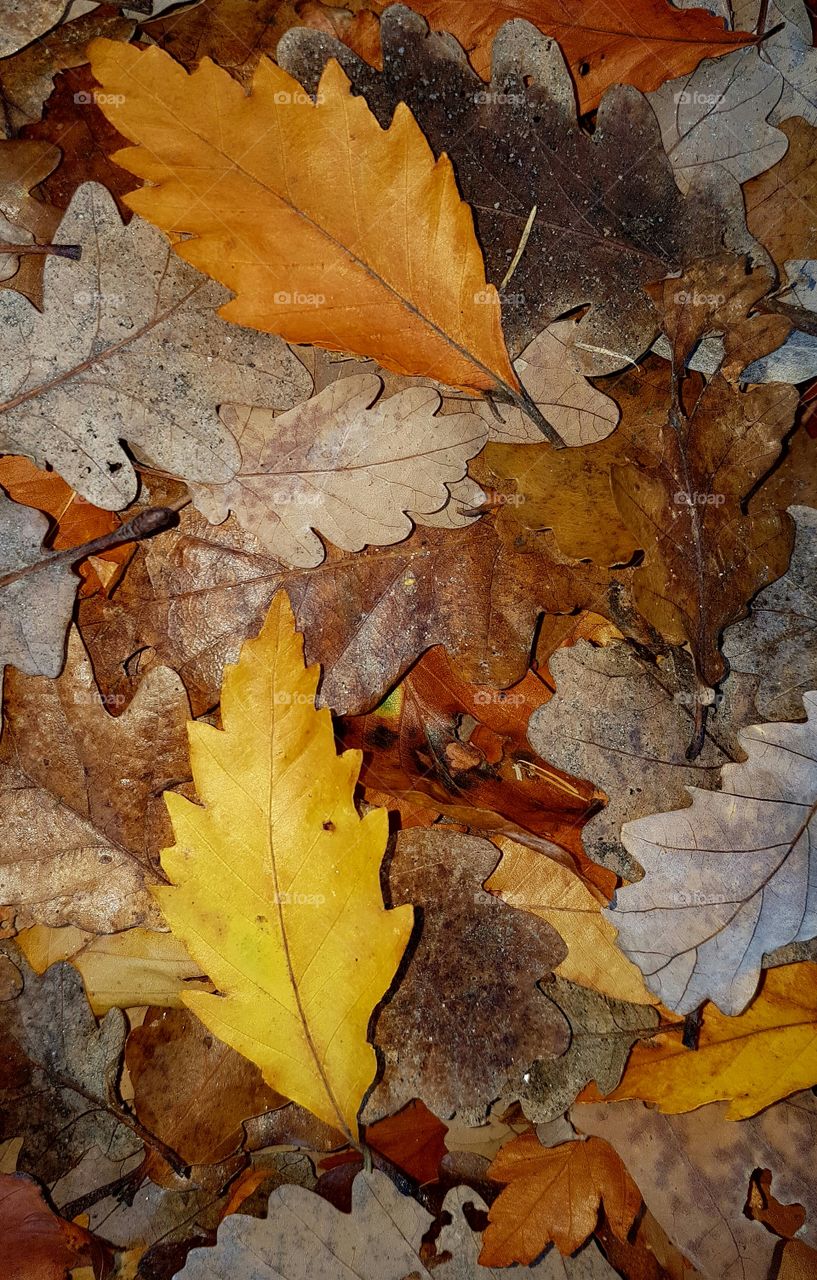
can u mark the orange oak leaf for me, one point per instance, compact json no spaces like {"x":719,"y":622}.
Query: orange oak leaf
{"x":553,"y":1194}
{"x":328,"y":229}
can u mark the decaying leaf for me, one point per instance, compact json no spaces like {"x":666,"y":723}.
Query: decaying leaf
{"x":303,"y":1234}
{"x":602,"y":1032}
{"x":213,"y":1091}
{"x":460,"y":749}
{"x":32,"y":632}
{"x":129,"y":347}
{"x":694,"y":1172}
{"x":729,"y":878}
{"x":796,"y":359}
{"x":345,"y":464}
{"x":776,"y":643}
{"x":553,"y":1194}
{"x":58,"y":1072}
{"x":705,"y":558}
{"x":608,"y":216}
{"x":27,"y":77}
{"x":751,"y":1061}
{"x":311,"y":267}
{"x":305,"y":948}
{"x":234,"y":33}
{"x":638,"y":45}
{"x":196,"y":593}
{"x":788,"y":49}
{"x":472,"y":977}
{"x":80,"y":796}
{"x":790,"y":184}
{"x":625,"y":723}
{"x":530,"y":882}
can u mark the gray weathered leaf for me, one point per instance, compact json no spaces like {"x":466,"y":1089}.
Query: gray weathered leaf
{"x":35,"y":611}
{"x":777,"y":643}
{"x":718,"y":115}
{"x":789,"y":51}
{"x":625,"y":724}
{"x":694,"y":1170}
{"x":306,"y":1238}
{"x":730,"y":878}
{"x":129,"y":347}
{"x":345,"y":464}
{"x":602,"y":1032}
{"x":58,"y":1073}
{"x":796,"y":360}
{"x":22,"y":21}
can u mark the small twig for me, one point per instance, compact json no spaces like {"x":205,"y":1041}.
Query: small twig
{"x":767,"y":35}
{"x":73,"y":251}
{"x":698,"y":732}
{"x":761,"y":18}
{"x":521,"y":247}
{"x":148,"y":522}
{"x":119,"y":1187}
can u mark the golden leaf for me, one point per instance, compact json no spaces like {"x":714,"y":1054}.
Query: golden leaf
{"x":275,"y":886}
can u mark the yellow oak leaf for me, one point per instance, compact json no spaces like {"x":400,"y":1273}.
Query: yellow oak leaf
{"x":275,"y":882}
{"x":327,"y":228}
{"x":532,"y":882}
{"x":753,"y":1060}
{"x":553,"y":1195}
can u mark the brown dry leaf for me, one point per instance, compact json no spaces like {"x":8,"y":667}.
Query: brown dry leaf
{"x":77,"y":521}
{"x":75,"y":123}
{"x":604,"y":44}
{"x":348,"y":464}
{"x":779,"y":203}
{"x":705,"y":558}
{"x":468,"y":1014}
{"x":38,"y":1245}
{"x":234,"y":33}
{"x":605,"y":212}
{"x":27,"y":77}
{"x":194,"y":595}
{"x":58,"y":1073}
{"x":413,"y":1138}
{"x":213,"y":1089}
{"x":436,"y":316}
{"x":460,"y":749}
{"x":553,"y":1194}
{"x":624,"y":722}
{"x":81,"y":796}
{"x":694,"y":1173}
{"x":24,"y":219}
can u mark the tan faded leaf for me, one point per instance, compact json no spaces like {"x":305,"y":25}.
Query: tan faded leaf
{"x":346,"y":465}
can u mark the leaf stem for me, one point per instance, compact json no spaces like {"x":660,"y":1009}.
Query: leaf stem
{"x":73,"y":251}
{"x":144,"y":525}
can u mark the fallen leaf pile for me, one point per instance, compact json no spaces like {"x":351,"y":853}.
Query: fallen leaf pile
{"x":408,"y":640}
